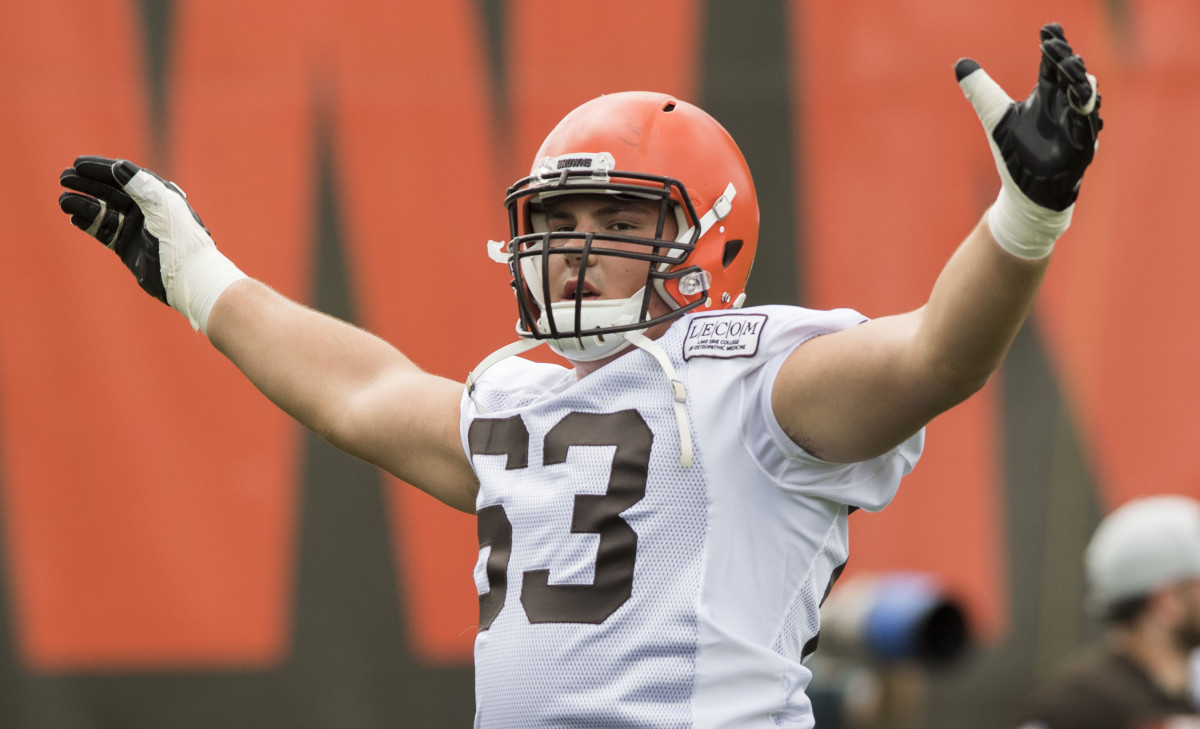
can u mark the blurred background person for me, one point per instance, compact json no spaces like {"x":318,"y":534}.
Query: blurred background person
{"x":1143,"y":573}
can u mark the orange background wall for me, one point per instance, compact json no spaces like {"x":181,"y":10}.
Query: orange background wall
{"x":150,"y":498}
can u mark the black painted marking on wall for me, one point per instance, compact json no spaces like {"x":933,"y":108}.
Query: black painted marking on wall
{"x":745,"y":46}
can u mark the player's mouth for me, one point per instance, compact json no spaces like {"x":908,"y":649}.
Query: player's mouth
{"x":570,"y":288}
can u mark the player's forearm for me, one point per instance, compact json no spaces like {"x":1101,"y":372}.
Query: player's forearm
{"x":1041,"y":147}
{"x":309,"y":364}
{"x":977,"y":306}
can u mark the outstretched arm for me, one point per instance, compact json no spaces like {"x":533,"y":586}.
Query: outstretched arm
{"x":350,"y":387}
{"x":857,"y":393}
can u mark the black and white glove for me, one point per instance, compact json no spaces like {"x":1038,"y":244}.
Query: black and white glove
{"x":1041,"y":145}
{"x":149,"y":224}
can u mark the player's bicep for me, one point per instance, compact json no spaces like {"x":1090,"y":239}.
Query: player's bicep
{"x":854,"y":394}
{"x":407,"y":422}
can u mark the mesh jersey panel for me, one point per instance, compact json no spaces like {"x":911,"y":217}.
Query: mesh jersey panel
{"x":801,"y":621}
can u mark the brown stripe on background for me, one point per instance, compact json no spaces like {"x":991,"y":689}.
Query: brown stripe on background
{"x":745,"y":46}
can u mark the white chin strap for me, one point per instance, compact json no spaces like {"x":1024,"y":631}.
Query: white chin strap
{"x":678,"y":392}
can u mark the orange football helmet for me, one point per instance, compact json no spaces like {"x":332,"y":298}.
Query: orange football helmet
{"x":648,"y":146}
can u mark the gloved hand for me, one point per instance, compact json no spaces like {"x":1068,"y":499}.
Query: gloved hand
{"x":1041,"y":145}
{"x":148,"y":222}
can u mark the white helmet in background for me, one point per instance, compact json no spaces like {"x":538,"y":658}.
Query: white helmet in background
{"x":1145,"y":544}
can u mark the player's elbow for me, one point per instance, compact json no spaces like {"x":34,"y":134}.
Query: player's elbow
{"x":953,"y":383}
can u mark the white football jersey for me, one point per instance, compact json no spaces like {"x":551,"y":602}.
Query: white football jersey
{"x":621,"y":589}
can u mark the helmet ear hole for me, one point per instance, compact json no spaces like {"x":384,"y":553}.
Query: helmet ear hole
{"x":732,"y":248}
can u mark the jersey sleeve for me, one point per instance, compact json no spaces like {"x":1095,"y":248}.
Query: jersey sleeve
{"x":869,"y":484}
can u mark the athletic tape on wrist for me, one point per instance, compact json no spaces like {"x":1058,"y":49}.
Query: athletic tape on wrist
{"x":1024,"y":228}
{"x":201,"y":282}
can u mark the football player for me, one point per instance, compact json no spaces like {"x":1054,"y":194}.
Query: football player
{"x":660,"y":519}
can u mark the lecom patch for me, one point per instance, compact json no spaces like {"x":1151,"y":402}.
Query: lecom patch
{"x":724,"y":336}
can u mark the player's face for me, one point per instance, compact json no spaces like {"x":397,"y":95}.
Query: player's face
{"x":1188,"y":632}
{"x":607,"y":277}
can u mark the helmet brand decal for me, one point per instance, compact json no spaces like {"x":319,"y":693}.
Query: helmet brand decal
{"x":551,"y":169}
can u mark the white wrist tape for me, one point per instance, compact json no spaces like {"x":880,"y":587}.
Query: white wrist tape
{"x":1022,"y":227}
{"x":201,"y":281}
